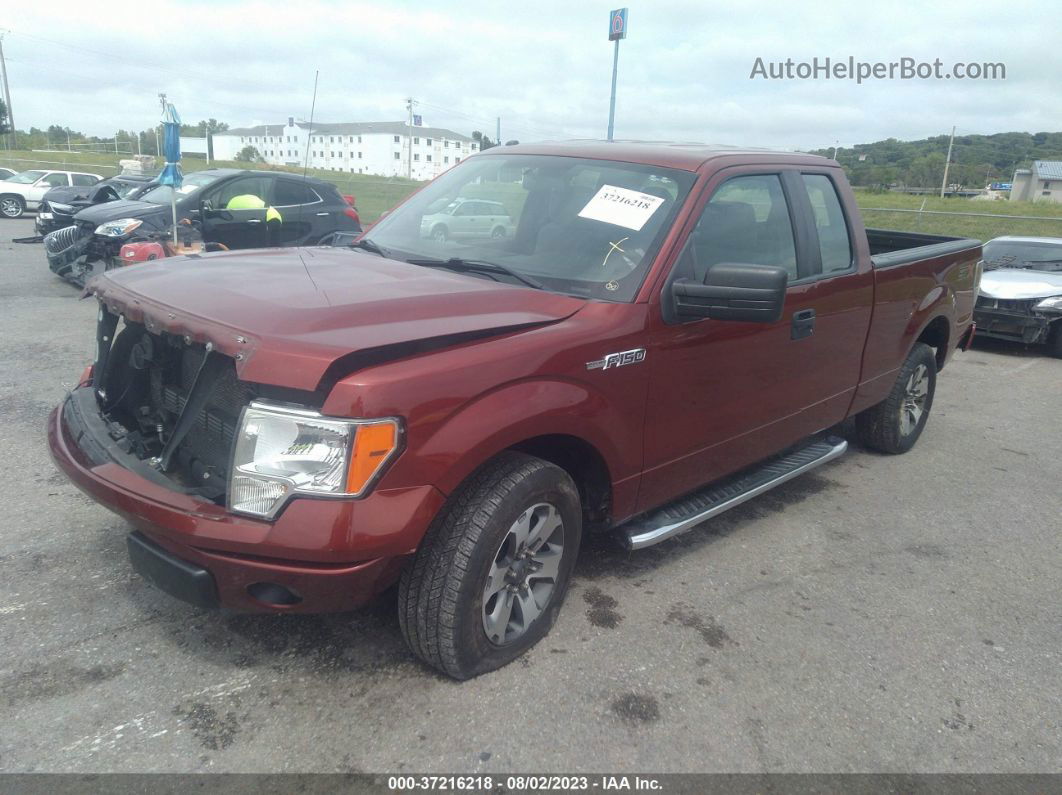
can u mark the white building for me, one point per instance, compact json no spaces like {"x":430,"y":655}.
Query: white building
{"x":353,"y":147}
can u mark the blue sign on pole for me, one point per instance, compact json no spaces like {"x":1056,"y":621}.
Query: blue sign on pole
{"x":617,"y":24}
{"x":418,"y":121}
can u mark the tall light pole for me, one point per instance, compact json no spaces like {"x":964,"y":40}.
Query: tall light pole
{"x":409,"y":154}
{"x":947,"y":162}
{"x":617,"y":29}
{"x":7,"y":95}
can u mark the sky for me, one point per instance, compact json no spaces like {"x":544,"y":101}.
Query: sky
{"x":543,"y":67}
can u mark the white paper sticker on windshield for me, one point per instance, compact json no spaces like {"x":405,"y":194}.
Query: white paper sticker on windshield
{"x":622,"y":207}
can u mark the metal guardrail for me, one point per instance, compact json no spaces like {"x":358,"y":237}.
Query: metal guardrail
{"x":973,"y":215}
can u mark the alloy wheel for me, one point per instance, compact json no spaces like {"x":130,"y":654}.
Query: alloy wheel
{"x":524,"y":573}
{"x":914,"y":400}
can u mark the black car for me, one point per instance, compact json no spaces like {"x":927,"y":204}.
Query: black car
{"x":59,"y":205}
{"x":293,"y":211}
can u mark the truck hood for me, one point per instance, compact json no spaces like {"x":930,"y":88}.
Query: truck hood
{"x":112,"y":211}
{"x":303,"y":318}
{"x":1011,"y":283}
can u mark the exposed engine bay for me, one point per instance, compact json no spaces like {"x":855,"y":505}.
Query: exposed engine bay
{"x":174,"y":404}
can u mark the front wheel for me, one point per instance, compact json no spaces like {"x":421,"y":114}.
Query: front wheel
{"x":1054,"y":340}
{"x":489,"y":578}
{"x":894,"y":425}
{"x":439,"y":234}
{"x":12,"y":206}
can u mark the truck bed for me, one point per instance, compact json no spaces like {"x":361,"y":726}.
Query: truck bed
{"x":889,"y":248}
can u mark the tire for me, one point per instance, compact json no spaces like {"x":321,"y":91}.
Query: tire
{"x":498,"y":232}
{"x":454,"y":587}
{"x":1054,"y":340}
{"x":12,"y":206}
{"x":439,"y":234}
{"x":894,"y":425}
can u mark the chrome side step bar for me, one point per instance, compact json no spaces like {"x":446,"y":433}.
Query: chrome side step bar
{"x":688,"y":512}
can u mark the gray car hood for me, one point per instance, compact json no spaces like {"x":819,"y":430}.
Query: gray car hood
{"x":1009,"y":283}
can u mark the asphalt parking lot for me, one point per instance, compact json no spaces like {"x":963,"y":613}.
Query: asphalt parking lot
{"x":880,"y":614}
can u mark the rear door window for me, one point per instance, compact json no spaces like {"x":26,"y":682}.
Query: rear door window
{"x":834,"y":244}
{"x":289,"y":193}
{"x":84,"y":180}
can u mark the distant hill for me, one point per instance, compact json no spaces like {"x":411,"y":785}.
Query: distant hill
{"x":975,"y":159}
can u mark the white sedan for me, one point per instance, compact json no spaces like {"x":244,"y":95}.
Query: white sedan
{"x":24,"y":191}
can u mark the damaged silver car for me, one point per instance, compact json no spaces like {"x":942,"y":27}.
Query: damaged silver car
{"x":1021,"y":291}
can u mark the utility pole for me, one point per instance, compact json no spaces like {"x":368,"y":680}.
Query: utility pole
{"x":617,"y":29}
{"x":158,"y":127}
{"x":13,"y":136}
{"x":834,"y":155}
{"x":497,"y":139}
{"x":947,"y":162}
{"x":409,"y":137}
{"x":69,"y":148}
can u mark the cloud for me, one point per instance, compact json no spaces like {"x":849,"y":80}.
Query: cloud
{"x":543,"y":68}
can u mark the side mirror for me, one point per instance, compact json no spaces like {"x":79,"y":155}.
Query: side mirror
{"x":733,"y":291}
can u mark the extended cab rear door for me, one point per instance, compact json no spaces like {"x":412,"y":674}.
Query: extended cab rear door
{"x":724,"y":394}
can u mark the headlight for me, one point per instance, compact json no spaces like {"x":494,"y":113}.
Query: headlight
{"x":1051,"y":304}
{"x":63,"y":208}
{"x":119,"y":228}
{"x":285,"y":451}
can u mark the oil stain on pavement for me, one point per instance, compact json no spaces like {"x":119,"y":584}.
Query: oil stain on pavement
{"x":601,"y":608}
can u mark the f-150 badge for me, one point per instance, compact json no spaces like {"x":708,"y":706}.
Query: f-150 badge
{"x":617,"y":359}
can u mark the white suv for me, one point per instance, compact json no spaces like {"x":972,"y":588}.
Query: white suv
{"x":24,"y":191}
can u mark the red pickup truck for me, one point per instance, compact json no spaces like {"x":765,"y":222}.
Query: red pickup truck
{"x":546,"y":340}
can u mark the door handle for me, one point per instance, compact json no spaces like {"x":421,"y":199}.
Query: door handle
{"x":803,"y":324}
{"x":254,"y":221}
{"x":324,"y":213}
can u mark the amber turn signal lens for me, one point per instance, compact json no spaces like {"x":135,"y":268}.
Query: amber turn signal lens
{"x":374,"y":444}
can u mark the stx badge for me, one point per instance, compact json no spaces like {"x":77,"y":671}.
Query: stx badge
{"x":618,"y":359}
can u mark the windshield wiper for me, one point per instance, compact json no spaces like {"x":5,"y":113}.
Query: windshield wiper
{"x":368,"y":245}
{"x":477,"y":266}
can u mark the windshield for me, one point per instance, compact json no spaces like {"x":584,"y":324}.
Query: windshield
{"x":127,"y":189}
{"x":192,"y":182}
{"x":26,"y":177}
{"x":584,"y":227}
{"x":1032,"y":256}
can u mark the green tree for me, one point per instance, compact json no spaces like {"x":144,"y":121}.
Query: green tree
{"x":5,"y":128}
{"x":204,"y":128}
{"x":483,"y":141}
{"x":249,"y":155}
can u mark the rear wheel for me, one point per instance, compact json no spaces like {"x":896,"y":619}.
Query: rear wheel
{"x":894,"y":425}
{"x":489,"y":578}
{"x":439,"y":234}
{"x":12,"y":206}
{"x":498,"y":232}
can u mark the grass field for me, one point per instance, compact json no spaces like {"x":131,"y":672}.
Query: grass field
{"x":983,"y":228}
{"x":374,"y":194}
{"x":377,"y":194}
